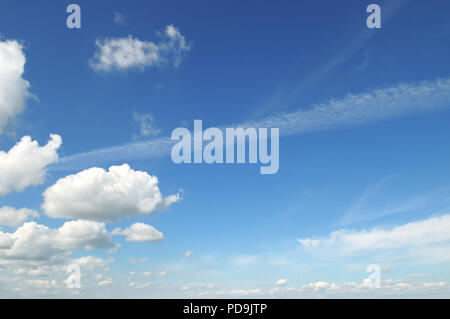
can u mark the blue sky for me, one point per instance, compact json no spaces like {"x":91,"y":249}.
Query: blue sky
{"x":364,"y":163}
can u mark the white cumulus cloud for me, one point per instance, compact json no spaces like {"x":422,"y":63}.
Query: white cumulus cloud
{"x":141,"y":233}
{"x":12,"y":217}
{"x":120,"y":54}
{"x":97,"y":194}
{"x":25,"y":164}
{"x":13,"y":88}
{"x":32,"y":241}
{"x":6,"y":241}
{"x":281,"y":282}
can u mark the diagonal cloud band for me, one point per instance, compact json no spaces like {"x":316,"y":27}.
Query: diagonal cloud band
{"x":351,"y":111}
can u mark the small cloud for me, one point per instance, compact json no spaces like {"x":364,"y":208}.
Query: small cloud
{"x":129,"y":53}
{"x":140,"y":233}
{"x":188,"y":253}
{"x":114,"y":249}
{"x":318,"y":286}
{"x":147,"y":273}
{"x":119,"y":18}
{"x":281,"y":282}
{"x":162,"y":274}
{"x":106,"y":282}
{"x":13,"y":217}
{"x":147,"y":125}
{"x":274,"y":290}
{"x":145,"y":285}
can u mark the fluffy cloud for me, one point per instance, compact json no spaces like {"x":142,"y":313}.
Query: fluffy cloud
{"x":6,"y":241}
{"x":91,"y":263}
{"x":37,"y":242}
{"x":318,"y":286}
{"x":427,"y":240}
{"x":13,"y":88}
{"x":12,"y":217}
{"x":25,"y":163}
{"x":119,"y":54}
{"x":97,"y":194}
{"x":82,"y":234}
{"x":141,"y":233}
{"x":281,"y":282}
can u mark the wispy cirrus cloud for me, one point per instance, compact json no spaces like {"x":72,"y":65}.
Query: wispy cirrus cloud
{"x":154,"y":148}
{"x":33,"y":242}
{"x":363,"y":108}
{"x":367,"y":206}
{"x":353,"y":110}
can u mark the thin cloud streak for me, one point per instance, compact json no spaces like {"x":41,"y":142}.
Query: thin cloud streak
{"x":361,"y":211}
{"x":359,"y":109}
{"x":351,"y":111}
{"x":154,"y":148}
